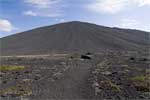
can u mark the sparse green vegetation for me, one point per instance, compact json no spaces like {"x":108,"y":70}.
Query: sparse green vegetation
{"x":11,"y":68}
{"x":104,"y":65}
{"x":113,"y":86}
{"x":18,"y":90}
{"x":141,"y":83}
{"x":139,"y":78}
{"x":103,"y":77}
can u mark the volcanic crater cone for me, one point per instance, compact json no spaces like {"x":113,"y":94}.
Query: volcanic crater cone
{"x":73,"y":37}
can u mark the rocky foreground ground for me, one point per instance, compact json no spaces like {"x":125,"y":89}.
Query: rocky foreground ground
{"x":75,"y":76}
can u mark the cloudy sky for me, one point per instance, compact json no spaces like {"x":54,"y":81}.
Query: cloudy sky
{"x":21,"y":15}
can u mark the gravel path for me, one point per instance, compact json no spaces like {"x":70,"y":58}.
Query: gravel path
{"x":70,"y":86}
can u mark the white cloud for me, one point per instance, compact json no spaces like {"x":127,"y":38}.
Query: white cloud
{"x":129,"y":23}
{"x":44,"y":8}
{"x":5,"y":25}
{"x":30,"y":13}
{"x":60,"y":20}
{"x":107,"y":6}
{"x":42,"y":3}
{"x":115,"y":6}
{"x":42,"y":13}
{"x":143,"y":2}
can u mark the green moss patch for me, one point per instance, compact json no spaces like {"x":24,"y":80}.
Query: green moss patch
{"x":11,"y":68}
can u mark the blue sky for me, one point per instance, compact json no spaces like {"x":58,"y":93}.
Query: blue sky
{"x":21,"y":15}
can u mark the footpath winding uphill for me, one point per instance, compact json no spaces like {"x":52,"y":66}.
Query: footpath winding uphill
{"x":72,"y":85}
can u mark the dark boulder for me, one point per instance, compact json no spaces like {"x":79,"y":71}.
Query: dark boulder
{"x":85,"y":57}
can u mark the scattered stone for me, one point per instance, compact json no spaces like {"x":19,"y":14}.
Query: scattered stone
{"x":114,"y":72}
{"x":105,"y":85}
{"x":145,"y":95}
{"x":85,"y":57}
{"x":18,"y":73}
{"x":36,"y":78}
{"x":125,"y":71}
{"x":96,"y":71}
{"x":52,"y":80}
{"x":124,"y":66}
{"x":16,"y":77}
{"x":26,"y":72}
{"x":143,"y":59}
{"x":96,"y":86}
{"x":57,"y":75}
{"x":26,"y":80}
{"x":71,"y":57}
{"x":2,"y":95}
{"x":5,"y":82}
{"x":88,"y":53}
{"x":63,"y":63}
{"x":1,"y":75}
{"x":106,"y":73}
{"x":66,"y":68}
{"x":132,"y":59}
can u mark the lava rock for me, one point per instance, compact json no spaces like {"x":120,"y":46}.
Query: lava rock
{"x":85,"y":57}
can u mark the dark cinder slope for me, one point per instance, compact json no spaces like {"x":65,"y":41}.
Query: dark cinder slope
{"x":73,"y":37}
